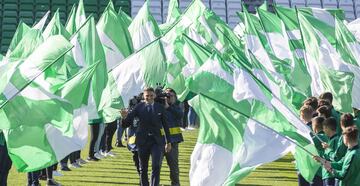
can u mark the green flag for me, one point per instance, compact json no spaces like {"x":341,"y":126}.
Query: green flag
{"x":143,"y":28}
{"x":114,"y":37}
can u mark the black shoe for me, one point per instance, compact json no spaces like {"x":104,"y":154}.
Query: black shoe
{"x":92,"y":158}
{"x":65,"y":168}
{"x":52,"y":182}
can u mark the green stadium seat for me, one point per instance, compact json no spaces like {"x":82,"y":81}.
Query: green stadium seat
{"x":11,"y":6}
{"x":26,"y":7}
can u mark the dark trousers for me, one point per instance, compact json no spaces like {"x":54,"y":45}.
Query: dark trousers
{"x":5,"y":165}
{"x":302,"y":181}
{"x":109,"y":134}
{"x":172,"y":159}
{"x":144,"y":152}
{"x":33,"y":178}
{"x":102,"y":146}
{"x":329,"y":182}
{"x":136,"y":161}
{"x":317,"y":181}
{"x":94,"y":133}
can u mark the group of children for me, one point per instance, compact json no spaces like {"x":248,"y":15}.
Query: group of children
{"x":336,"y":139}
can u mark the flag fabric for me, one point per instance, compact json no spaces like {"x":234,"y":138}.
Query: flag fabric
{"x":76,"y":91}
{"x":40,"y":144}
{"x":54,"y":27}
{"x":144,"y":68}
{"x":114,"y":37}
{"x":21,"y":30}
{"x":346,"y":44}
{"x":143,"y":29}
{"x":328,"y":71}
{"x":230,"y":145}
{"x":354,"y":27}
{"x":86,"y":41}
{"x":70,"y":23}
{"x":235,"y":88}
{"x":124,"y":17}
{"x":173,"y":11}
{"x":40,"y":25}
{"x":80,"y":16}
{"x":280,"y":47}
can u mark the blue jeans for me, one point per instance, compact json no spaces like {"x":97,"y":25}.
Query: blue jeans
{"x":119,"y":132}
{"x":191,"y":117}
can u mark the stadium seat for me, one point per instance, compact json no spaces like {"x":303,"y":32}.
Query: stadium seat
{"x":348,"y":7}
{"x":218,"y":6}
{"x":233,"y":7}
{"x":284,"y":3}
{"x":297,"y":3}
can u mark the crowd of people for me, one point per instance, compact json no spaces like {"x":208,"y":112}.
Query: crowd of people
{"x":155,"y":131}
{"x":336,"y":137}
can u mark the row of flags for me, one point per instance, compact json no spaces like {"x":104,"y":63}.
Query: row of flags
{"x":246,"y":84}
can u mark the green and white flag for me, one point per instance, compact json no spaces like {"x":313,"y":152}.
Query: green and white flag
{"x":173,"y":14}
{"x":272,"y":71}
{"x":173,"y":11}
{"x":55,"y":27}
{"x":114,"y":37}
{"x":40,"y":25}
{"x":146,"y":67}
{"x":124,"y":17}
{"x":85,"y":42}
{"x":70,"y":23}
{"x":186,"y":61}
{"x":31,"y":40}
{"x":230,"y":145}
{"x":80,"y":16}
{"x":143,"y":28}
{"x":41,"y":143}
{"x":235,"y":88}
{"x":76,"y":91}
{"x":328,"y":71}
{"x":279,"y":42}
{"x":346,"y":44}
{"x":21,"y":30}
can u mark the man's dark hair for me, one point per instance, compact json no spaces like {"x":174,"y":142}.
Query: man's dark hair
{"x":149,"y":89}
{"x":327,"y":95}
{"x":325,"y":111}
{"x":330,"y":123}
{"x":322,"y":102}
{"x":171,"y":90}
{"x":352,"y":133}
{"x":312,"y":101}
{"x":318,"y":122}
{"x":347,"y":120}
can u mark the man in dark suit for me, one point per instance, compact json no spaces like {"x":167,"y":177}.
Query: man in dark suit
{"x":149,"y":140}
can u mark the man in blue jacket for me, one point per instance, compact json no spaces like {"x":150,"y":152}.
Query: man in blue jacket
{"x":149,"y":140}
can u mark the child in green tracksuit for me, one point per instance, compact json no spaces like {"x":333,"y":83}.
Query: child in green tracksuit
{"x":329,"y":127}
{"x":347,"y":169}
{"x":318,"y":138}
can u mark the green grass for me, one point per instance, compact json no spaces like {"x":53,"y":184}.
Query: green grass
{"x":120,"y":170}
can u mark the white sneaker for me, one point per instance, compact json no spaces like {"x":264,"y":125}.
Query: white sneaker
{"x":182,"y":129}
{"x":56,"y":173}
{"x":102,"y":153}
{"x":190,"y":128}
{"x":75,"y":165}
{"x":81,"y":161}
{"x":98,"y":156}
{"x":111,"y":154}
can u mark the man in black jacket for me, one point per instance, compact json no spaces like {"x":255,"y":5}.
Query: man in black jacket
{"x":149,"y":140}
